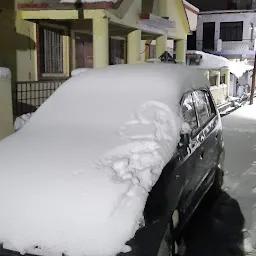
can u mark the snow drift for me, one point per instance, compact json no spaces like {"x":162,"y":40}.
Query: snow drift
{"x":76,"y":177}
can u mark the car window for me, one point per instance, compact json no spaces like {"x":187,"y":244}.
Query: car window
{"x":202,"y":107}
{"x":210,"y":104}
{"x":189,"y":112}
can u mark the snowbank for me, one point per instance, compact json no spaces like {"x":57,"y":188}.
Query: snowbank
{"x":5,"y":73}
{"x":87,"y":159}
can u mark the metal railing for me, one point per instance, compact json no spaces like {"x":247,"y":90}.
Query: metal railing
{"x":219,"y":45}
{"x":29,"y":95}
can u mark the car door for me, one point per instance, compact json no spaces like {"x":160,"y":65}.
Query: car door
{"x":188,"y":152}
{"x":207,"y":151}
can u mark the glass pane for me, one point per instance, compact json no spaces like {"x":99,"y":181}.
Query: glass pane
{"x":201,"y":107}
{"x":189,"y":113}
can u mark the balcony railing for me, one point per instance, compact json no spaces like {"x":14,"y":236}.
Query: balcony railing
{"x":239,"y":47}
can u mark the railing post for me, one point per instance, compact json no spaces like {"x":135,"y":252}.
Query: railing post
{"x":6,"y":111}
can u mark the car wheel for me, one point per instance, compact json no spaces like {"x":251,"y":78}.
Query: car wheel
{"x":168,"y":246}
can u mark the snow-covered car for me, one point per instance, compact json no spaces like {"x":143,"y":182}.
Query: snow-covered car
{"x":113,"y":163}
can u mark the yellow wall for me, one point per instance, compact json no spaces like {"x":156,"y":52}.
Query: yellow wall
{"x":17,"y":46}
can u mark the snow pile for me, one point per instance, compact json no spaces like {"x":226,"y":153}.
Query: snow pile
{"x":5,"y":73}
{"x":78,"y":71}
{"x":87,"y":159}
{"x":210,"y":61}
{"x":21,"y":120}
{"x":87,"y":1}
{"x":238,"y":68}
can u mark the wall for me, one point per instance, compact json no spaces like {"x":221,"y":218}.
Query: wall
{"x":6,"y":117}
{"x":17,"y":46}
{"x":246,"y":17}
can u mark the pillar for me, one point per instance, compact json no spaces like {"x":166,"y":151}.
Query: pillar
{"x":134,"y":44}
{"x":161,"y":45}
{"x":217,"y":78}
{"x":227,"y":79}
{"x":207,"y":74}
{"x":163,"y":8}
{"x":181,"y":48}
{"x":143,"y":50}
{"x":6,"y":112}
{"x":100,"y":43}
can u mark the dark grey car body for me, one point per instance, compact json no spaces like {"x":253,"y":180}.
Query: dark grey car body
{"x":184,"y":182}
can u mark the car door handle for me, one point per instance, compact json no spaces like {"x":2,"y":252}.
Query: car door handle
{"x":202,"y":155}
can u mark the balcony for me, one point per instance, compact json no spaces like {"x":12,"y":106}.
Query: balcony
{"x":244,"y":47}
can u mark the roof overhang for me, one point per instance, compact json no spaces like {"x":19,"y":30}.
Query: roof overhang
{"x":154,"y":24}
{"x":57,"y":5}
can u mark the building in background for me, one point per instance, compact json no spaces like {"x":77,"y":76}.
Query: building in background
{"x":45,"y":40}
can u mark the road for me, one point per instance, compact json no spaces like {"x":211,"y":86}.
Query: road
{"x":240,"y":165}
{"x":224,"y":226}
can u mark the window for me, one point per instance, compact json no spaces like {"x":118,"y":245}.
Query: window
{"x":231,"y":31}
{"x":202,"y":107}
{"x":189,"y":113}
{"x":51,"y":51}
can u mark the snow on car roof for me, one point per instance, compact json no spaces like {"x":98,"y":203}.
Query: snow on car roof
{"x":76,"y":177}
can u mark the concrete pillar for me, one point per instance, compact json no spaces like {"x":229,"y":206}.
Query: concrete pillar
{"x":143,"y":50}
{"x":227,"y":80}
{"x":163,"y":8}
{"x":100,"y":43}
{"x":161,"y":45}
{"x":217,"y":78}
{"x":207,"y":74}
{"x":134,"y":44}
{"x":6,"y":112}
{"x":181,"y":48}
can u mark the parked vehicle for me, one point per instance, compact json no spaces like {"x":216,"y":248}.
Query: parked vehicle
{"x":168,"y":157}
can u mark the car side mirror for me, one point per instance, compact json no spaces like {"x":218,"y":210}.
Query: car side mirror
{"x":185,"y":134}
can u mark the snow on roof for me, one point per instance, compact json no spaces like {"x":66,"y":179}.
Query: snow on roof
{"x":86,"y":160}
{"x":5,"y":73}
{"x":210,"y":61}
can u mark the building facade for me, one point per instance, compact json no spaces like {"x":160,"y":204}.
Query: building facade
{"x":227,"y":33}
{"x":45,"y":40}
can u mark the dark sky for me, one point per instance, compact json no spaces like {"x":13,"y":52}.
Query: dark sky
{"x":210,"y":5}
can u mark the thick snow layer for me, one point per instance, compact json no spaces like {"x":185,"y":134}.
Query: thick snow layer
{"x":210,"y":61}
{"x":87,"y":1}
{"x":5,"y":73}
{"x":86,"y":160}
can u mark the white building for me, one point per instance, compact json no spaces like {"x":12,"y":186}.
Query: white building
{"x":227,"y":33}
{"x":230,"y":34}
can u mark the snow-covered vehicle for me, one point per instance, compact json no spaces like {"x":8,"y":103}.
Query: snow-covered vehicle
{"x":113,"y":163}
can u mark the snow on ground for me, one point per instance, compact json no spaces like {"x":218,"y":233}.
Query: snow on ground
{"x":87,"y":158}
{"x":240,"y":165}
{"x":78,"y":71}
